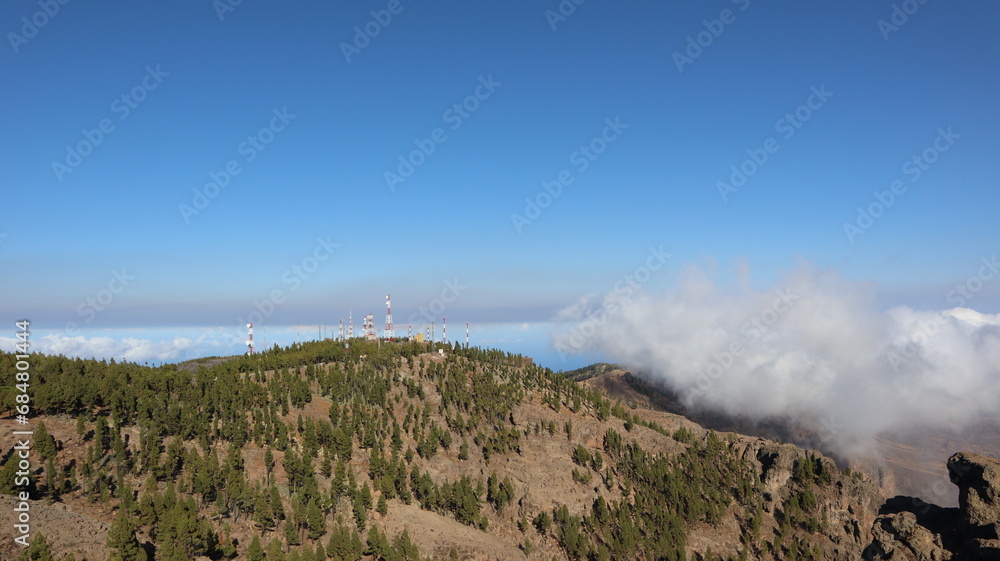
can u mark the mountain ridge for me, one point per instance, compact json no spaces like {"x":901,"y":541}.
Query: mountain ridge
{"x":475,"y":454}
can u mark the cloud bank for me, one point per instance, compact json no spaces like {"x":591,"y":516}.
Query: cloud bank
{"x":157,"y":348}
{"x":813,"y":348}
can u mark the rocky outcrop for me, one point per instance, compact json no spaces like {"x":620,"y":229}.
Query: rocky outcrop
{"x":850,"y":503}
{"x":898,"y":536}
{"x":910,"y":529}
{"x":978,"y":480}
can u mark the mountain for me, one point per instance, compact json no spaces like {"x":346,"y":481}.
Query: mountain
{"x":420,"y":451}
{"x":907,"y":463}
{"x":592,"y":371}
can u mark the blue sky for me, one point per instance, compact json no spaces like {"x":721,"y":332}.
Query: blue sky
{"x":207,"y":83}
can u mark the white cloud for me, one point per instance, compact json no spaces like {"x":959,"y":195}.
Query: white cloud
{"x":813,"y":348}
{"x":163,"y":348}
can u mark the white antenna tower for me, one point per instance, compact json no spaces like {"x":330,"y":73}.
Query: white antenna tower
{"x":250,"y":349}
{"x":390,"y":333}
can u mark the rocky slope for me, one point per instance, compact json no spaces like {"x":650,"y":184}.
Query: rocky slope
{"x":910,"y":529}
{"x":910,"y":463}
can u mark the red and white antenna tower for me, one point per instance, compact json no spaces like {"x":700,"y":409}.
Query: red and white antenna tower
{"x":369,"y":327}
{"x":390,"y":333}
{"x":250,"y":349}
{"x":466,"y":334}
{"x":444,"y":330}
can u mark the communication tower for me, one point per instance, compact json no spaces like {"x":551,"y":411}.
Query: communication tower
{"x":389,"y":331}
{"x":250,"y":349}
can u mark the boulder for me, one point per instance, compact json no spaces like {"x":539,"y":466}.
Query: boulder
{"x":978,"y":480}
{"x":898,"y":537}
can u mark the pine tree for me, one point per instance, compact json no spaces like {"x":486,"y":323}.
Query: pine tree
{"x":227,"y":546}
{"x":8,"y":476}
{"x":38,"y":550}
{"x":44,"y":443}
{"x":268,"y":461}
{"x":291,"y":533}
{"x":405,"y":548}
{"x":276,"y":508}
{"x":378,"y":545}
{"x":262,"y":512}
{"x":360,"y":516}
{"x":337,"y":483}
{"x":315,"y":520}
{"x":255,"y":552}
{"x":121,"y":538}
{"x":101,"y":436}
{"x":326,"y":467}
{"x":366,"y":496}
{"x":275,"y":551}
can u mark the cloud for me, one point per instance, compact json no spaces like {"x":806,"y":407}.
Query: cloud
{"x":814,"y":348}
{"x":202,"y":342}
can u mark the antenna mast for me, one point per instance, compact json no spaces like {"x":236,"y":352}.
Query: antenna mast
{"x":250,"y":349}
{"x":390,"y":333}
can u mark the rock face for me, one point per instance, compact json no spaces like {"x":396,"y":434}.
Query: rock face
{"x":910,"y":529}
{"x":899,"y":536}
{"x":978,"y":480}
{"x":850,"y":504}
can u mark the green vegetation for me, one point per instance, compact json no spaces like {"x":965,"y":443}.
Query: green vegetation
{"x":172,"y":448}
{"x":591,"y":371}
